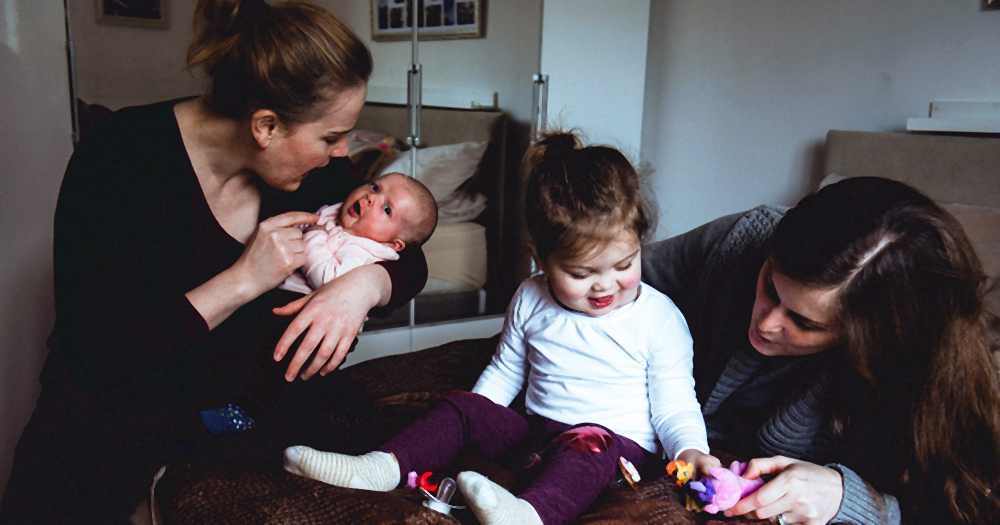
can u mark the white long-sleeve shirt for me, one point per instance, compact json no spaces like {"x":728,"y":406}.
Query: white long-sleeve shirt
{"x":629,"y":370}
{"x":331,"y":252}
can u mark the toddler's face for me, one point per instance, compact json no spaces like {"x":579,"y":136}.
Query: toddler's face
{"x":383,"y":210}
{"x":598,"y":282}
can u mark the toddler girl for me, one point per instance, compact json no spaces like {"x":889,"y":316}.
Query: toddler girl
{"x":607,"y":361}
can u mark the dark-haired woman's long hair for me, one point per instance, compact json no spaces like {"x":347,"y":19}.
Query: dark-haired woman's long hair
{"x":910,"y":301}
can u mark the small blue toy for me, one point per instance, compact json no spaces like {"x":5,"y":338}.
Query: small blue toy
{"x":227,"y":421}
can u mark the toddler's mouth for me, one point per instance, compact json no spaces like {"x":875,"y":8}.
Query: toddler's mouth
{"x":601,"y":302}
{"x":355,"y":209}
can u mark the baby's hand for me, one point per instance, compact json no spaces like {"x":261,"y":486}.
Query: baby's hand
{"x":700,"y":461}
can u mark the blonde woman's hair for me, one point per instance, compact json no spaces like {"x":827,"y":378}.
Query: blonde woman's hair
{"x":292,"y":58}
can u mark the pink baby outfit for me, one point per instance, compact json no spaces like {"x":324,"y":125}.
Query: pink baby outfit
{"x":331,"y":252}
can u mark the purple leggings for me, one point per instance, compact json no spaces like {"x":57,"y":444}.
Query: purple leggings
{"x":568,"y":482}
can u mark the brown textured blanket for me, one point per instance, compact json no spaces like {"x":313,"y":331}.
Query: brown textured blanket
{"x":402,"y":387}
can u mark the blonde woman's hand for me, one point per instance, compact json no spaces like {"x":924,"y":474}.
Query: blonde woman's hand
{"x":274,"y":251}
{"x":331,"y":317}
{"x":800,"y":491}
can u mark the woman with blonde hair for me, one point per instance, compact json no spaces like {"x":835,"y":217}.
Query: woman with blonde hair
{"x":174,"y":225}
{"x":866,"y":384}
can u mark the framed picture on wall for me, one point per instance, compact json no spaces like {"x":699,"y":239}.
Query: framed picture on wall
{"x":436,"y":19}
{"x":136,"y":13}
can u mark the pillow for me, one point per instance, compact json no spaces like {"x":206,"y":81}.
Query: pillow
{"x":460,"y":207}
{"x":443,"y":169}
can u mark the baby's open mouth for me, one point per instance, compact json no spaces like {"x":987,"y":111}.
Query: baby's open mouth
{"x":355,"y":210}
{"x":601,"y":302}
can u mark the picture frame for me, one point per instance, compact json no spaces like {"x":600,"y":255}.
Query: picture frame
{"x":436,"y":19}
{"x":152,"y":14}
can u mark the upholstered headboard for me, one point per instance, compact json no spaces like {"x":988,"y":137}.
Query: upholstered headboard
{"x":438,"y":126}
{"x":950,"y":169}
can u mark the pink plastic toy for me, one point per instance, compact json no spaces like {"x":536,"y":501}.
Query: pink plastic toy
{"x":411,"y":480}
{"x":722,"y":488}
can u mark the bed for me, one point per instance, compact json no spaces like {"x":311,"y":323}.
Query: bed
{"x":958,"y":171}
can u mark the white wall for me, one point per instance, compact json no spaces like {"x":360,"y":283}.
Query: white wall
{"x":740,"y":95}
{"x":503,"y":61}
{"x":126,"y":66}
{"x":35,"y":144}
{"x":120,"y":66}
{"x":594,"y":53}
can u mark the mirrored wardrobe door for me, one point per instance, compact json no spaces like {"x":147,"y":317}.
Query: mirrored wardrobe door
{"x":475,"y":63}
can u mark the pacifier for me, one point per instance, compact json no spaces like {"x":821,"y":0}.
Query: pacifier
{"x":439,"y":502}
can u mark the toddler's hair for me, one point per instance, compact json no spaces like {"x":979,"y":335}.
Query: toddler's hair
{"x":578,"y":199}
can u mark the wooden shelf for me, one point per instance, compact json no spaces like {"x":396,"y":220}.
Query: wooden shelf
{"x":959,"y":116}
{"x":954,"y":125}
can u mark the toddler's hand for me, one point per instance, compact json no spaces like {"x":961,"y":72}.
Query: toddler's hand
{"x":700,"y":461}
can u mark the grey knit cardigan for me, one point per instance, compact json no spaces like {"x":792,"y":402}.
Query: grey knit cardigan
{"x":711,"y":274}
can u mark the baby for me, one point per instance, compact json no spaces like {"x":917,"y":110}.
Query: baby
{"x":375,"y":221}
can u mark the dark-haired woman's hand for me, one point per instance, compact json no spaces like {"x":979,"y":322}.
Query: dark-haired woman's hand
{"x":801,"y":492}
{"x":274,"y":251}
{"x":331,"y":317}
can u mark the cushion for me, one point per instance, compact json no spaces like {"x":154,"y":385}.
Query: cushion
{"x":460,"y":206}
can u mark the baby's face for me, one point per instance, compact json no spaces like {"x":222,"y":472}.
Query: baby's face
{"x":382,"y":210}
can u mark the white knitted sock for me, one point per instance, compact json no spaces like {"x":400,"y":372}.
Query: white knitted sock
{"x":377,"y":471}
{"x":492,"y":504}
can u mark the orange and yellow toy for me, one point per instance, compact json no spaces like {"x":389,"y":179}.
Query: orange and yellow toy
{"x":683,"y":470}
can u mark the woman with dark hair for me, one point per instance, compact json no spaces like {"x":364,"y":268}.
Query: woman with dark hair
{"x":868,"y":352}
{"x":174,"y":225}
